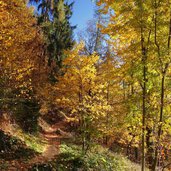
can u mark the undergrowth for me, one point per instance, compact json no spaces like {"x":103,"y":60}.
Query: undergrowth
{"x":98,"y":158}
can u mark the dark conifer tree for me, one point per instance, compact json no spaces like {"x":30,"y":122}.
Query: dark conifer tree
{"x":54,"y":19}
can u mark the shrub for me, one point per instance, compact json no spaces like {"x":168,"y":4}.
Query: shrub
{"x":98,"y":158}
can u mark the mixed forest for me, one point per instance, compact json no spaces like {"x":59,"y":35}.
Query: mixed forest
{"x":98,"y":100}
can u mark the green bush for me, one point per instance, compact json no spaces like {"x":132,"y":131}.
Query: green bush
{"x":97,"y":158}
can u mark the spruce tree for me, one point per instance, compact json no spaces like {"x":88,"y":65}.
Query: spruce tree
{"x":54,"y":19}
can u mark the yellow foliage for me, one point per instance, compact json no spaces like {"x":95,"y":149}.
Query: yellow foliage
{"x":20,"y":46}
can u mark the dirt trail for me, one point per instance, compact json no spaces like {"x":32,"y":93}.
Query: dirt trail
{"x":51,"y":134}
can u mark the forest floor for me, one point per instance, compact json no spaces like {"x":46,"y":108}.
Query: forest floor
{"x":46,"y":143}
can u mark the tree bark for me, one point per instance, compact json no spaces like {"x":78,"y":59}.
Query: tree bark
{"x":160,"y":125}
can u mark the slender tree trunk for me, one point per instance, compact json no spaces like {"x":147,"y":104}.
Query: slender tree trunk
{"x":107,"y":116}
{"x":150,"y":149}
{"x":82,"y":120}
{"x":136,"y":153}
{"x":143,"y":119}
{"x":144,"y":60}
{"x":160,"y":125}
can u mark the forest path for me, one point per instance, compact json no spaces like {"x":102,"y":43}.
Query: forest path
{"x":50,"y":134}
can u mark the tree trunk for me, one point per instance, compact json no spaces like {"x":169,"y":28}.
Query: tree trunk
{"x":143,"y":119}
{"x":149,"y":147}
{"x":144,"y":60}
{"x":160,"y":123}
